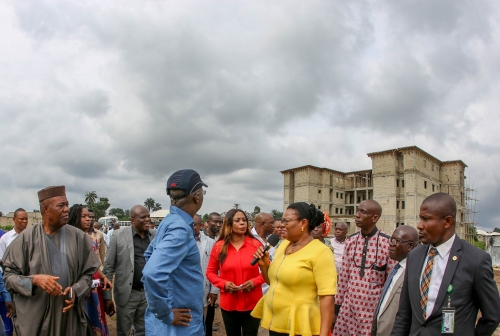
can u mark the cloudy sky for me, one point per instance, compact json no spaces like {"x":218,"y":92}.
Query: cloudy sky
{"x":114,"y":96}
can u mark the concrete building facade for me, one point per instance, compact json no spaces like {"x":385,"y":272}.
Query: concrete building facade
{"x":400,"y":179}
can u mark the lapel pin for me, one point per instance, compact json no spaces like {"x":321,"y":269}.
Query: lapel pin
{"x":454,"y":258}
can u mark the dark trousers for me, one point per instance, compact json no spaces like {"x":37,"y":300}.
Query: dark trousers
{"x":239,"y":323}
{"x":209,"y":320}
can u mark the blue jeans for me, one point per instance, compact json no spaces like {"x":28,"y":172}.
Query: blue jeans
{"x":6,"y":327}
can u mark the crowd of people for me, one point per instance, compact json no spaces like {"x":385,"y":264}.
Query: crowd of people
{"x":63,"y":276}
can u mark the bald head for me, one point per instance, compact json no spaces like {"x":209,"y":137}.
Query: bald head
{"x":261,"y":217}
{"x":367,"y":215}
{"x":374,"y":207}
{"x":408,"y":233}
{"x":264,"y":224}
{"x":403,"y":240}
{"x":140,"y":219}
{"x":136,"y":209}
{"x":442,"y":204}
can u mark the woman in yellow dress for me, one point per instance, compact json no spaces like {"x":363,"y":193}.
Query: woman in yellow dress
{"x":302,"y":279}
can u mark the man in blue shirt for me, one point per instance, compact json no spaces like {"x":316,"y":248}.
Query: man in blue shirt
{"x":173,"y":280}
{"x":8,"y":304}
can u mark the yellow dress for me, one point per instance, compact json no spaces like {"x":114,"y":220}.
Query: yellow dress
{"x":291,"y":305}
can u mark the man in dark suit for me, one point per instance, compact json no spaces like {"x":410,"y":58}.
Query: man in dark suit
{"x":446,"y":272}
{"x":125,"y":260}
{"x":403,"y":240}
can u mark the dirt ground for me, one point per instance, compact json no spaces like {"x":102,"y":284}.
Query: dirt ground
{"x":221,"y":331}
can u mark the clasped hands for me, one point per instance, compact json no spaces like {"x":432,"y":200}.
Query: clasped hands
{"x":48,"y":283}
{"x":245,"y":287}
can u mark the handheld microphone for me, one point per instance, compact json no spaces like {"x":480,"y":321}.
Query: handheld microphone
{"x":272,"y":240}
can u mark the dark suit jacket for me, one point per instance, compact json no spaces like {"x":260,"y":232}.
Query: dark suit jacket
{"x":382,"y":326}
{"x":474,"y":287}
{"x":120,"y":263}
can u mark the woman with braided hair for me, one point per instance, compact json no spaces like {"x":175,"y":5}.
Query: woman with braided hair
{"x":79,"y":217}
{"x":301,"y":272}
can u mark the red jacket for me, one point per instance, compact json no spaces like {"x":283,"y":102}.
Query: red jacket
{"x":237,"y":269}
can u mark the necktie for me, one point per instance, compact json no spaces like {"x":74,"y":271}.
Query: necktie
{"x":426,"y":280}
{"x":386,"y":287}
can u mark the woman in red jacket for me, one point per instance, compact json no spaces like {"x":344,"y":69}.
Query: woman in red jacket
{"x":229,"y":269}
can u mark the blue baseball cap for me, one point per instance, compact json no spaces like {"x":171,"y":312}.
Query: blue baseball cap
{"x":187,"y":180}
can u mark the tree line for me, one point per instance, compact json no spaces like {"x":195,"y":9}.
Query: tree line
{"x":101,"y":204}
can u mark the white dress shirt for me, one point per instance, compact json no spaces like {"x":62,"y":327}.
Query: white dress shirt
{"x":110,"y":234}
{"x":338,"y":251}
{"x":440,"y":262}
{"x":106,"y":239}
{"x":6,"y":239}
{"x":395,"y":278}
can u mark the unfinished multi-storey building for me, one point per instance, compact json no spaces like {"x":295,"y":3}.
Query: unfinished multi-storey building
{"x":400,"y":179}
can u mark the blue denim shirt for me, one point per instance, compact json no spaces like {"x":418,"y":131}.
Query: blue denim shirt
{"x":172,"y":276}
{"x":3,"y":291}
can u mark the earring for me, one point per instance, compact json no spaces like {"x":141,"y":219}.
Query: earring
{"x":302,"y":229}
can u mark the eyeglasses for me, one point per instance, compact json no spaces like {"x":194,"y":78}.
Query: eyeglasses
{"x":395,"y":241}
{"x":286,"y":221}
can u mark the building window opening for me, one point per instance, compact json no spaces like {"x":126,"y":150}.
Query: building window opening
{"x":397,"y":183}
{"x":402,"y":183}
{"x":425,"y":184}
{"x":402,"y":204}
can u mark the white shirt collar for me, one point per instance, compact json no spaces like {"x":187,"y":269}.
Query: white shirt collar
{"x":256,"y":235}
{"x":340,"y":241}
{"x":444,"y":248}
{"x":402,"y":263}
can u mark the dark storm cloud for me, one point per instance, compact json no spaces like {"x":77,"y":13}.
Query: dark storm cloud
{"x":212,"y":102}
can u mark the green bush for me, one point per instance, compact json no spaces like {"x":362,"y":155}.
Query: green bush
{"x":7,"y":227}
{"x":479,"y":244}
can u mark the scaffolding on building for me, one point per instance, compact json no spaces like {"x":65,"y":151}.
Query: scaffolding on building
{"x":470,"y":210}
